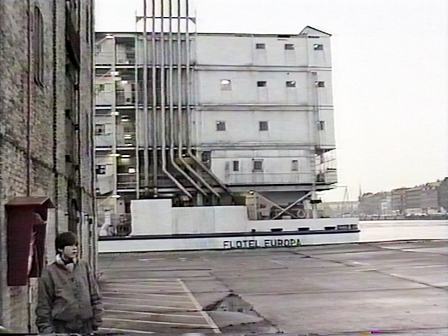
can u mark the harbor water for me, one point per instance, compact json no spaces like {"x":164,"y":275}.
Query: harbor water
{"x":403,"y":230}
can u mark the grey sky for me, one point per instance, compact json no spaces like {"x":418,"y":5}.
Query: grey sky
{"x":389,"y":75}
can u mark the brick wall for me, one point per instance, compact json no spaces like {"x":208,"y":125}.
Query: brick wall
{"x":48,"y":132}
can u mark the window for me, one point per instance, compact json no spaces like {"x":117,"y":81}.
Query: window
{"x":258,"y":166}
{"x":100,"y":87}
{"x":88,"y":22}
{"x":226,"y":84}
{"x":295,"y":165}
{"x":289,"y":46}
{"x":220,"y":125}
{"x":236,"y":166}
{"x":318,"y":47}
{"x":291,"y":84}
{"x":263,"y":126}
{"x":260,"y":46}
{"x":262,"y":83}
{"x":38,"y":47}
{"x":320,"y":84}
{"x":100,"y":129}
{"x":206,"y":156}
{"x":321,"y":125}
{"x":100,"y":169}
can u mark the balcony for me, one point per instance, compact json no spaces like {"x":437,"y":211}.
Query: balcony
{"x":122,"y":98}
{"x":126,"y":181}
{"x":123,"y":57}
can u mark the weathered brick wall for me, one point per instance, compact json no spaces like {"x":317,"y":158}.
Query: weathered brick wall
{"x":14,"y":308}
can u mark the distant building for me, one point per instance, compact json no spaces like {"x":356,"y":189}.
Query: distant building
{"x":398,"y":198}
{"x":426,"y":198}
{"x":413,"y":199}
{"x":429,"y":198}
{"x":375,"y":204}
{"x":442,"y":195}
{"x":340,"y":209}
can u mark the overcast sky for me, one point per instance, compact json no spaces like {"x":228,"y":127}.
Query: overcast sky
{"x":389,"y":76}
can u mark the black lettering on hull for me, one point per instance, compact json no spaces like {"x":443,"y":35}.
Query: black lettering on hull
{"x":265,"y":243}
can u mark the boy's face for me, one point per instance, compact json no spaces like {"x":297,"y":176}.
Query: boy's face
{"x":70,"y":252}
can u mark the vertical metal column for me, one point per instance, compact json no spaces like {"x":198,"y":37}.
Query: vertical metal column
{"x":114,"y":121}
{"x":181,"y":130}
{"x":313,"y":130}
{"x":172,"y":121}
{"x":189,"y":99}
{"x":163,"y":107}
{"x":155,"y":168}
{"x":145,"y":97}
{"x":137,"y":116}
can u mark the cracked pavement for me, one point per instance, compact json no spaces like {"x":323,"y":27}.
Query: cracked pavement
{"x":398,"y":288}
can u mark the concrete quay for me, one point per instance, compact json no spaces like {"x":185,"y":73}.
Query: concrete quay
{"x":393,"y":288}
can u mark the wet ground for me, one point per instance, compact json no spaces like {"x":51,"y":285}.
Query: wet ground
{"x":352,"y":289}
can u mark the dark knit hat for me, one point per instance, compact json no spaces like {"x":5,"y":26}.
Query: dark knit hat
{"x":65,"y":239}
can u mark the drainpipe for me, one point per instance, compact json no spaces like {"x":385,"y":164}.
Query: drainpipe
{"x":145,"y":103}
{"x":163,"y":110}
{"x":114,"y":123}
{"x":155,"y":144}
{"x":181,"y":132}
{"x":171,"y":103}
{"x":93,"y":225}
{"x":28,"y":139}
{"x":189,"y":150}
{"x":137,"y":119}
{"x":2,"y":131}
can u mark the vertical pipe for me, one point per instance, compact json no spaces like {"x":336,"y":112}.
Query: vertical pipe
{"x":137,"y":118}
{"x":162,"y":106}
{"x":313,"y":129}
{"x":114,"y":122}
{"x":145,"y":97}
{"x":28,"y":135}
{"x":93,"y":222}
{"x":55,"y":121}
{"x":28,"y":112}
{"x":172,"y":121}
{"x":155,"y":164}
{"x":188,"y":102}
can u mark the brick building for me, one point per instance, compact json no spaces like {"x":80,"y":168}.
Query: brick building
{"x":46,"y":140}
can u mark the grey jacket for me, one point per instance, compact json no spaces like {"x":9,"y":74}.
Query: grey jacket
{"x":68,"y":295}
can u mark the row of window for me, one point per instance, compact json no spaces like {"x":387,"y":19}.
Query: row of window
{"x":226,"y":84}
{"x":100,"y":129}
{"x":288,"y":46}
{"x":263,"y":125}
{"x":257,"y":166}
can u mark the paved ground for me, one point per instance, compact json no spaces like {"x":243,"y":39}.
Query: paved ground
{"x":398,"y":288}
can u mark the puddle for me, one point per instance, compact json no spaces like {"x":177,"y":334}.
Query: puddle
{"x":233,"y":303}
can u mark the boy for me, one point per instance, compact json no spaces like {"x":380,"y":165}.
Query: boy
{"x":69,"y":300}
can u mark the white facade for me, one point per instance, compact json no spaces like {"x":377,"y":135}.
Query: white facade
{"x":275,"y":121}
{"x":257,"y":110}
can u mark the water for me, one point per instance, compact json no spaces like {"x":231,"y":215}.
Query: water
{"x":403,"y":230}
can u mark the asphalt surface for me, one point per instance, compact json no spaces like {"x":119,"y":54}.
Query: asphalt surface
{"x":351,"y":289}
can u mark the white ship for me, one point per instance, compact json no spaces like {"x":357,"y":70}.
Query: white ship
{"x":224,"y":142}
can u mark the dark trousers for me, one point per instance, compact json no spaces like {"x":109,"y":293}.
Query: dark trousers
{"x":73,"y":327}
